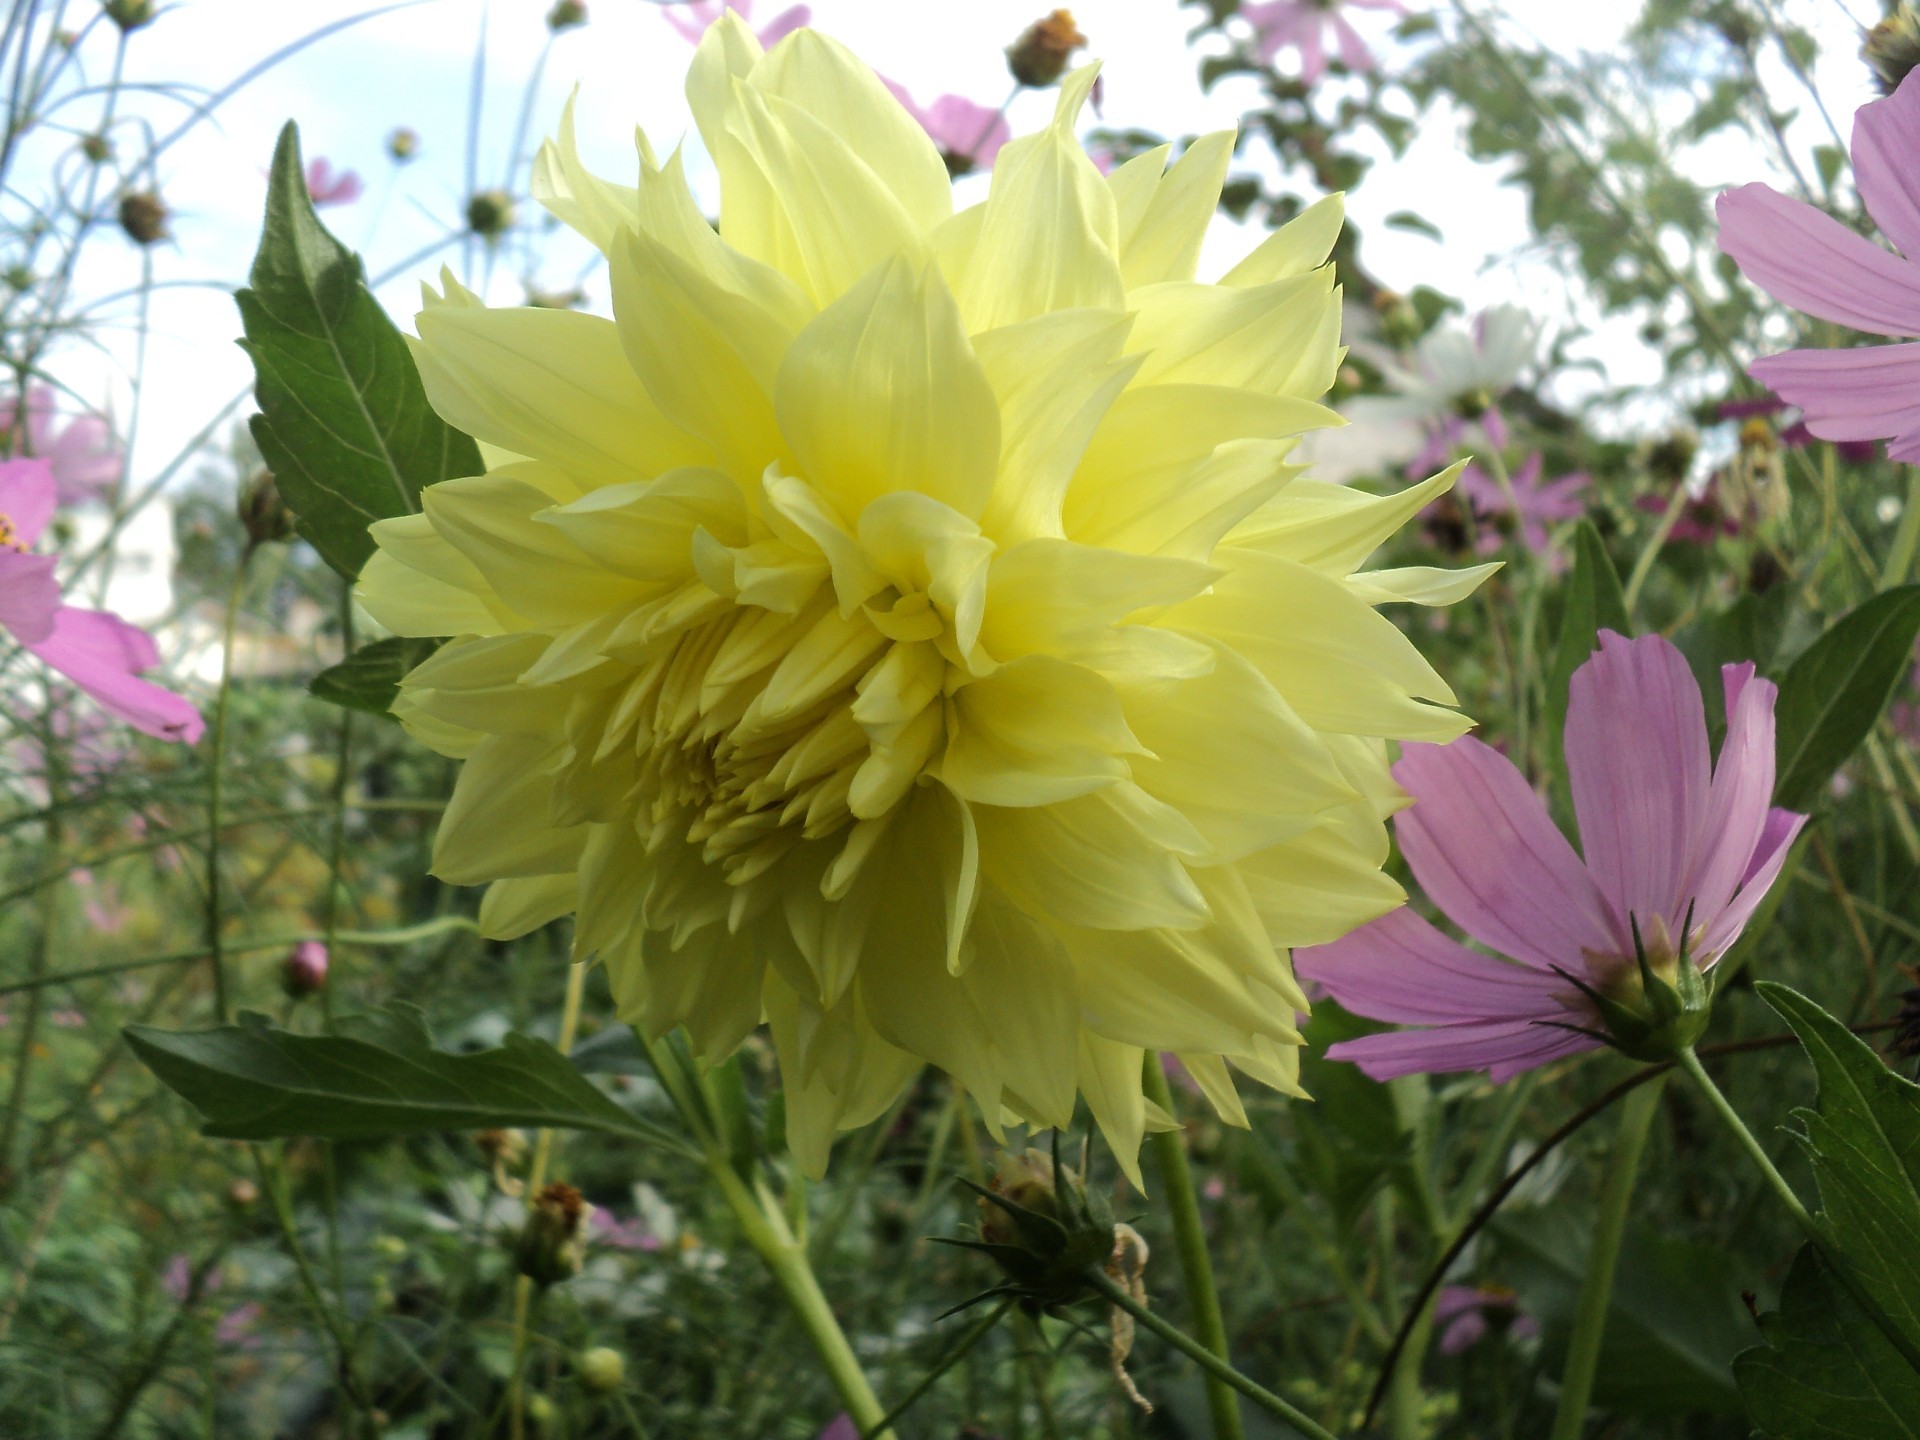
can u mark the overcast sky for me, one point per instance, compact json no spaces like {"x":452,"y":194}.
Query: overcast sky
{"x":415,"y":67}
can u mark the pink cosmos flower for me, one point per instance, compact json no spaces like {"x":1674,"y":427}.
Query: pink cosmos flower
{"x":1703,"y":519}
{"x":325,"y":187}
{"x":619,"y":1234}
{"x":841,"y":1427}
{"x":1468,"y":1312}
{"x":1534,"y":505}
{"x":1299,"y":25}
{"x":969,"y":134}
{"x":1667,"y":835}
{"x":85,"y":458}
{"x":99,"y":652}
{"x":1805,"y":258}
{"x":692,"y":17}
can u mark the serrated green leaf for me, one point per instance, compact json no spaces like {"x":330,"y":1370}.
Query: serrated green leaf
{"x":369,"y":678}
{"x":1833,"y":693}
{"x":1826,"y":1372}
{"x":344,"y":422}
{"x":1595,"y":602}
{"x":380,"y":1076}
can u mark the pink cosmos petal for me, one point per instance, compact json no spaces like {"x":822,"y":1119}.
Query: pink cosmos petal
{"x":1494,"y":426}
{"x":1886,"y":139}
{"x":101,"y":653}
{"x":1503,"y":1048}
{"x":1354,"y":53}
{"x":1871,"y":393}
{"x":1516,"y":885}
{"x":1402,"y":970}
{"x":1640,"y":768}
{"x":841,"y":1427}
{"x":1313,"y":51}
{"x":29,"y":596}
{"x":1737,"y":804}
{"x":27,"y":497}
{"x":1466,"y":1330}
{"x":961,"y":126}
{"x":1776,"y":842}
{"x":86,"y":459}
{"x":784,"y":24}
{"x":1805,"y":258}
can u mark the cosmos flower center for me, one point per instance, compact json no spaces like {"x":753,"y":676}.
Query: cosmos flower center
{"x":10,"y":537}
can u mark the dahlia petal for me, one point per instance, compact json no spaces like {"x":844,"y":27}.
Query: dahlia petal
{"x":1047,"y":235}
{"x":1110,"y":860}
{"x":1035,"y":732}
{"x":1035,"y":1042}
{"x":1807,"y":259}
{"x":1518,"y":888}
{"x":1271,"y":338}
{"x":1763,"y":869}
{"x":1419,"y":584}
{"x":1870,"y":393}
{"x":29,"y":595}
{"x":597,"y":209}
{"x":102,"y":654}
{"x":827,"y":81}
{"x":1324,"y":883}
{"x":1640,"y":771}
{"x":1109,"y":1075}
{"x":883,"y":393}
{"x":1334,"y":527}
{"x":1737,"y":803}
{"x":1401,"y":969}
{"x":1300,"y":245}
{"x":494,"y":829}
{"x":1134,"y":184}
{"x":549,"y":384}
{"x":1886,"y":137}
{"x":418,"y":584}
{"x":1055,"y":378}
{"x":512,"y":908}
{"x":1503,"y":1049}
{"x":1354,"y":53}
{"x":487,"y":519}
{"x":1215,"y":1081}
{"x":1164,"y":242}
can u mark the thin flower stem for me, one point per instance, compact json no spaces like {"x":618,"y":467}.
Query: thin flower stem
{"x":337,"y":802}
{"x":1690,"y":1062}
{"x":954,"y":1355}
{"x":1596,"y":1292}
{"x":216,"y":764}
{"x":1656,"y":542}
{"x":1190,"y":1237}
{"x":1214,"y":1366}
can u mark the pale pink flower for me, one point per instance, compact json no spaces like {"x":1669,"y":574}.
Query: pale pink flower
{"x":1676,"y":847}
{"x":1468,"y":1312}
{"x":1300,"y":25}
{"x":86,"y":459}
{"x":969,"y":134}
{"x":99,"y":652}
{"x":325,"y":186}
{"x":631,"y":1234}
{"x":692,"y":17}
{"x":1805,"y":258}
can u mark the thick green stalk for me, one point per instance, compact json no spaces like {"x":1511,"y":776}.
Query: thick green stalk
{"x":1190,"y":1236}
{"x":1596,"y":1293}
{"x":1213,"y":1365}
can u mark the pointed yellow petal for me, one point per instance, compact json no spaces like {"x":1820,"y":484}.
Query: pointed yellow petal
{"x":1164,"y":242}
{"x":1300,"y":245}
{"x":1035,"y":732}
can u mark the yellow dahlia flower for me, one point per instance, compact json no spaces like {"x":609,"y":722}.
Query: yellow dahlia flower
{"x":902,"y":627}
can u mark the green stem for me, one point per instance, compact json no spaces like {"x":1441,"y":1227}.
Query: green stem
{"x":1690,"y":1062}
{"x":1656,"y":542}
{"x":1212,"y":1364}
{"x":1190,"y":1236}
{"x":953,"y":1357}
{"x":1596,"y":1294}
{"x":216,"y":764}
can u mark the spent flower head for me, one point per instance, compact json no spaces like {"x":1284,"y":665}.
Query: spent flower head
{"x":869,"y":630}
{"x":552,"y":1242}
{"x":1041,"y":55}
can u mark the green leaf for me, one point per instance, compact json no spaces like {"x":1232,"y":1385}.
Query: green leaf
{"x":344,"y":422}
{"x":1748,"y":629}
{"x":1828,"y":160}
{"x":369,"y":678}
{"x":1833,"y":693}
{"x":1675,"y":1320}
{"x":1863,"y":1139}
{"x":1419,"y":224}
{"x":378,"y":1076}
{"x":1595,"y":602}
{"x":1826,"y":1372}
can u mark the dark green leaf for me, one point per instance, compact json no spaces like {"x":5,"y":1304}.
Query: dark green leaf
{"x":379,"y":1076}
{"x":1863,"y":1138}
{"x":1748,"y":629}
{"x":1595,"y":602}
{"x":1676,"y":1320}
{"x":1831,"y":696}
{"x":369,"y":678}
{"x":1826,"y":1371}
{"x":344,"y":422}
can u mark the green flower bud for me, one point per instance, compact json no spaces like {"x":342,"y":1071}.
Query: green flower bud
{"x":602,"y":1370}
{"x":267,"y":520}
{"x":565,"y":15}
{"x":144,"y":216}
{"x":490,"y":214}
{"x":129,"y":15}
{"x":1043,"y":1228}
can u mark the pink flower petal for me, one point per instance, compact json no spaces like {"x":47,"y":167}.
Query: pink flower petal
{"x":1481,"y":845}
{"x":1402,"y":970}
{"x":1464,"y":1332}
{"x":29,"y":595}
{"x":1640,"y":769}
{"x":27,"y":497}
{"x":784,"y":24}
{"x":1737,"y":804}
{"x":1354,"y":53}
{"x":1886,"y":140}
{"x":101,"y":653}
{"x":1807,"y":259}
{"x":961,"y":126}
{"x":1870,"y":393}
{"x":1502,"y":1048}
{"x":1776,"y":841}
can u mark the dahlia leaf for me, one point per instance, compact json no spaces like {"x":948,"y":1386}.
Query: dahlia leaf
{"x":344,"y":422}
{"x":378,"y":1076}
{"x":1595,"y":602}
{"x":1832,"y":695}
{"x":369,"y":678}
{"x":1826,"y":1372}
